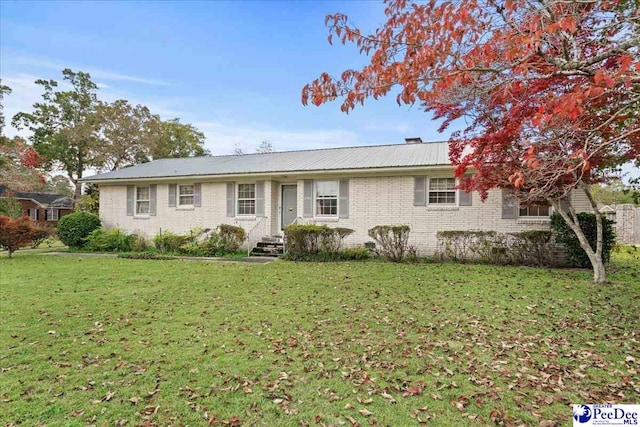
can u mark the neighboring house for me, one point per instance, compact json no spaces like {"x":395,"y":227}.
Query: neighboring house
{"x":42,"y":207}
{"x":355,"y":187}
{"x":627,"y":222}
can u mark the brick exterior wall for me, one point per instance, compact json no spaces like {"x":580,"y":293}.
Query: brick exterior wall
{"x":373,"y":200}
{"x":27,"y":205}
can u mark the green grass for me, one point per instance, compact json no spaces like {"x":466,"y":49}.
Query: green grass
{"x":101,"y":341}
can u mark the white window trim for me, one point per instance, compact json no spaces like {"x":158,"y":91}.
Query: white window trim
{"x":315,"y":200}
{"x":142,"y":214}
{"x":192,"y":195}
{"x":535,"y":217}
{"x":51,"y":211}
{"x":33,"y":211}
{"x":238,"y":199}
{"x":454,"y":191}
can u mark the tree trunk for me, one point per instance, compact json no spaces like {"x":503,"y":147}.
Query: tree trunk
{"x":595,"y":257}
{"x":78,"y":191}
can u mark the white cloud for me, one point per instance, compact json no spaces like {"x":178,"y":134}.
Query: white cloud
{"x":96,"y":73}
{"x":24,"y":93}
{"x":222,"y":138}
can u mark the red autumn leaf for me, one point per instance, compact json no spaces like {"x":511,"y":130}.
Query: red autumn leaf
{"x":412,"y":391}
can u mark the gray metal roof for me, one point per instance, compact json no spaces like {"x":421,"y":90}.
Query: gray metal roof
{"x":370,"y":157}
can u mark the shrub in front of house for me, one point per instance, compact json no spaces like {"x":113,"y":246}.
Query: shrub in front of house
{"x":471,"y":245}
{"x":41,"y":233}
{"x":230,"y":237}
{"x":392,"y":241}
{"x":226,"y":239}
{"x":16,"y":233}
{"x":566,"y":237}
{"x":168,"y":242}
{"x":465,"y":245}
{"x":138,"y":243}
{"x":532,"y":247}
{"x":348,"y":254}
{"x":73,"y":229}
{"x":109,"y":240}
{"x":313,"y":239}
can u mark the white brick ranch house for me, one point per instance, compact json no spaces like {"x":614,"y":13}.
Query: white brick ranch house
{"x":355,"y":187}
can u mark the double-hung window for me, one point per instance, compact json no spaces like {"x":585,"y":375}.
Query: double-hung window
{"x":33,"y":214}
{"x":326,"y":198}
{"x":442,"y":191}
{"x":51,"y":214}
{"x":246,"y":199}
{"x":185,"y":195}
{"x":142,"y":200}
{"x":540,"y":210}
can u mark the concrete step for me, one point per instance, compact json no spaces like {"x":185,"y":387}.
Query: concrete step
{"x":273,"y":252}
{"x":273,"y":239}
{"x":269,"y":245}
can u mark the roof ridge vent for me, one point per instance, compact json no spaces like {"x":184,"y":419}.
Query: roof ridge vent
{"x":413,"y":140}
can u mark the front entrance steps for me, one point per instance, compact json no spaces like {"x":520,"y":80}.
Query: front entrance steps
{"x":269,"y":246}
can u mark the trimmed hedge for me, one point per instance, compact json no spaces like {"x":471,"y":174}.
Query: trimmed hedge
{"x":73,"y":229}
{"x":523,"y":248}
{"x":392,"y":240}
{"x":313,"y":239}
{"x":565,"y":236}
{"x":349,"y":254}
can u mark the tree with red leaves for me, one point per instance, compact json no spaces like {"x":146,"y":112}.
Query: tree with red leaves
{"x":19,"y":165}
{"x":549,"y":89}
{"x":16,"y":233}
{"x":18,"y":161}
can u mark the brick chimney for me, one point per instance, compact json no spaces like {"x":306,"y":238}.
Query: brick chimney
{"x":414,"y":140}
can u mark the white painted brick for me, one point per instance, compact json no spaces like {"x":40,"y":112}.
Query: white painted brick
{"x":382,"y":200}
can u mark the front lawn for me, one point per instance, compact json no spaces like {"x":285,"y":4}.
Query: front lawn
{"x":104,"y":341}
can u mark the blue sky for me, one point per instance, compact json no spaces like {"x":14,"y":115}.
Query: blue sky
{"x":233,"y":69}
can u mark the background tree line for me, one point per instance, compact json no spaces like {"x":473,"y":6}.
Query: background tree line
{"x":73,"y":131}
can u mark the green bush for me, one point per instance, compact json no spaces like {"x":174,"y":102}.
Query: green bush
{"x":109,"y":240}
{"x":350,"y":254}
{"x":168,"y":242}
{"x":523,"y":248}
{"x":312,"y":239}
{"x":533,"y":247}
{"x":565,"y":236}
{"x":73,"y":229}
{"x":355,"y":254}
{"x":41,"y":233}
{"x":231,"y":237}
{"x":392,"y":241}
{"x":138,"y":243}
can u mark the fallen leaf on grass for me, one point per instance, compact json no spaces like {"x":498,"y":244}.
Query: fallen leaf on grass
{"x":412,"y":391}
{"x":365,"y":412}
{"x":388,"y":397}
{"x":149,"y":410}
